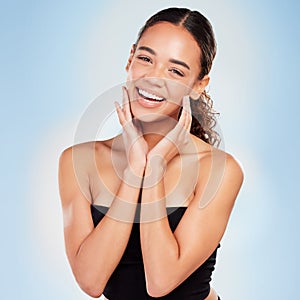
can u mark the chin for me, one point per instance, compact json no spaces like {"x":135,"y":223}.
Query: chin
{"x":152,"y":116}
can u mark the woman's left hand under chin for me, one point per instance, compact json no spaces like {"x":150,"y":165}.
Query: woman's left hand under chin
{"x":175,"y":140}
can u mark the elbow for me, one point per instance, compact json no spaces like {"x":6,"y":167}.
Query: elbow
{"x":90,"y":286}
{"x":94,"y":293}
{"x":158,"y":288}
{"x":89,"y":280}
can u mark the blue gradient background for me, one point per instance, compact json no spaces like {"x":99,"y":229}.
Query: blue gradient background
{"x":57,"y":56}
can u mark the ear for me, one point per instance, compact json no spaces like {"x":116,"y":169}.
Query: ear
{"x":199,"y":87}
{"x":130,"y":57}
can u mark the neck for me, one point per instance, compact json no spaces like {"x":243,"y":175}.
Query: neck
{"x":153,"y":132}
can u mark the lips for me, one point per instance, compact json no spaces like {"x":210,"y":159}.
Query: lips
{"x":149,"y":95}
{"x":149,"y":99}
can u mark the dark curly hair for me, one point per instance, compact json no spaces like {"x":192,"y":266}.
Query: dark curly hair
{"x":203,"y":114}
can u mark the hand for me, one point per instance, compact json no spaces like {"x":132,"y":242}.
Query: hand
{"x":135,"y":145}
{"x":176,"y":139}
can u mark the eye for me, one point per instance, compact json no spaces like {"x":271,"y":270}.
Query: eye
{"x":144,"y":58}
{"x":177,"y":72}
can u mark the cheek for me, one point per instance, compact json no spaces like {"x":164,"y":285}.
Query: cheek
{"x":132,"y":76}
{"x":177,"y":90}
{"x":134,"y":72}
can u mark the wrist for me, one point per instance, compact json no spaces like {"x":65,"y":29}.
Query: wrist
{"x":154,"y":171}
{"x":160,"y":157}
{"x":133,"y":176}
{"x":156,"y":162}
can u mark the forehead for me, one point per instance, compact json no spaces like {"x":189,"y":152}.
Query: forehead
{"x":171,"y":40}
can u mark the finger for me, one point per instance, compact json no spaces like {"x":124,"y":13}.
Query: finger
{"x":189,"y":122}
{"x":181,"y":120}
{"x":126,"y":104}
{"x":188,"y":112}
{"x":187,"y":104}
{"x":120,"y":113}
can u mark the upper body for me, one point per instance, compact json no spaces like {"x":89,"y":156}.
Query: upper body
{"x":156,"y":163}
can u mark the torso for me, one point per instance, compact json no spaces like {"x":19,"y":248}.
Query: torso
{"x":107,"y":162}
{"x":128,"y":281}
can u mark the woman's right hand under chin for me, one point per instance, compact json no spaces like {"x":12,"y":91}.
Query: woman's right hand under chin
{"x":135,"y":145}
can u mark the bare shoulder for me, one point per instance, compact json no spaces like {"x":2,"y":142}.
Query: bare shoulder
{"x":217,"y":167}
{"x":224,"y":164}
{"x":208,"y":153}
{"x":85,"y":150}
{"x":76,"y":164}
{"x":82,"y":147}
{"x":234,"y":167}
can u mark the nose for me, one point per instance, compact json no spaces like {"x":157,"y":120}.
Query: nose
{"x":155,"y":76}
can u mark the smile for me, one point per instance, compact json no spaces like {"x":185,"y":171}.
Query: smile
{"x":149,"y":96}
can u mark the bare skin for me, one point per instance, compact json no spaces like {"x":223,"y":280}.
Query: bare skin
{"x":114,"y":177}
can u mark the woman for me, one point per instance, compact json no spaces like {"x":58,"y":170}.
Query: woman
{"x":151,"y":226}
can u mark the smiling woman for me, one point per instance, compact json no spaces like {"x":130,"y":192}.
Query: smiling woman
{"x":129,"y":235}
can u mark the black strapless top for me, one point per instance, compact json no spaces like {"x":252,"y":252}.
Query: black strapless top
{"x":128,"y":282}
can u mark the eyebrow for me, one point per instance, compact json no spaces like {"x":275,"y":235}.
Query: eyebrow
{"x":172,"y":60}
{"x":179,"y":62}
{"x":147,"y":49}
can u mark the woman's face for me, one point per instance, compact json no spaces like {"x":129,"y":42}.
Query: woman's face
{"x":163,"y":68}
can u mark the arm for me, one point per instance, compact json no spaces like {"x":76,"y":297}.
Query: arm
{"x":169,"y":258}
{"x":94,"y":253}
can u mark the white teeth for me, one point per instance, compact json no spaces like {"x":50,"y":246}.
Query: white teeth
{"x":148,"y":95}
